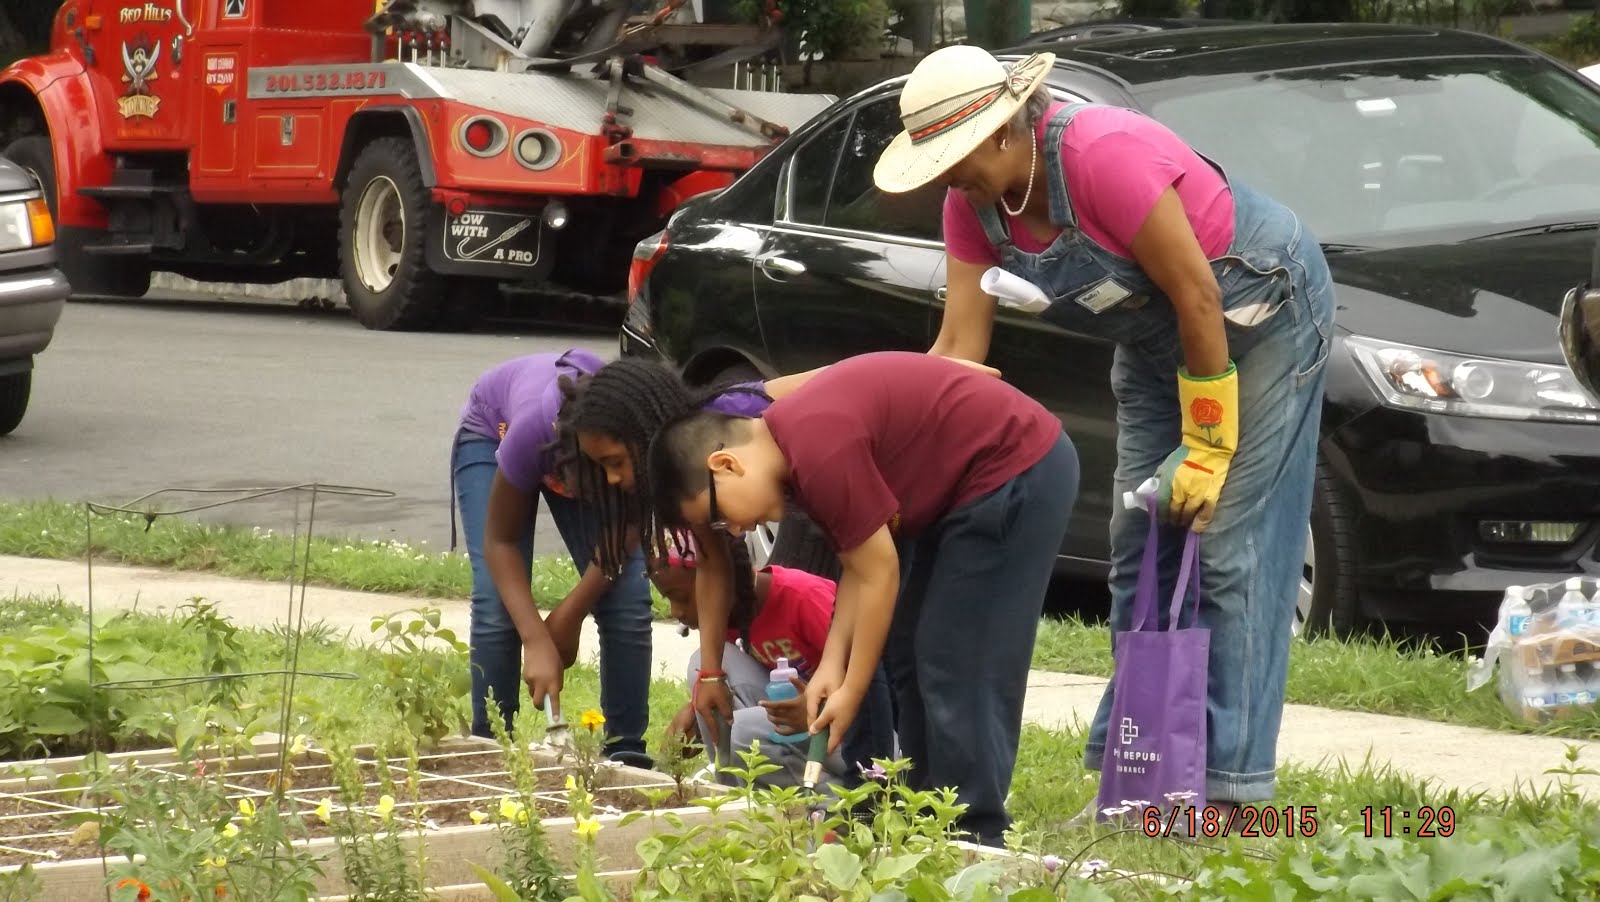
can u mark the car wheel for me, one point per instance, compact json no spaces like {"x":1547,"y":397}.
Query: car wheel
{"x":796,"y":543}
{"x":14,"y":391}
{"x":382,"y":220}
{"x":1329,"y":603}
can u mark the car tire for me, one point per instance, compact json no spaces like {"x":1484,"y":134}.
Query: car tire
{"x":796,"y":543}
{"x":382,"y":229}
{"x":1335,"y":602}
{"x":14,"y":391}
{"x":94,"y":276}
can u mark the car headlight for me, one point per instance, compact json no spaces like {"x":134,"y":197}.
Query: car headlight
{"x":1458,"y":385}
{"x":25,"y":224}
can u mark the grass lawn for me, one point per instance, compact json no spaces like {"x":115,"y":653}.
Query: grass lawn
{"x":1377,"y":676}
{"x":1050,"y":784}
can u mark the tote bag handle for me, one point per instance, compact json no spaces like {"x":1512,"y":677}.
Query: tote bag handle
{"x":1188,"y":583}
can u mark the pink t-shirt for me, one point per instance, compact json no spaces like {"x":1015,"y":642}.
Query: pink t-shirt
{"x":1117,"y":164}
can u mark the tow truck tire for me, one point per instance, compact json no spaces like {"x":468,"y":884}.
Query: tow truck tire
{"x":382,"y":230}
{"x":88,"y":275}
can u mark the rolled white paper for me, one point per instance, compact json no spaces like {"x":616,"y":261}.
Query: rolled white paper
{"x":1014,"y":291}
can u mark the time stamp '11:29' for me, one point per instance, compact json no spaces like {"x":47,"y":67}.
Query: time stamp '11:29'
{"x":1424,"y":821}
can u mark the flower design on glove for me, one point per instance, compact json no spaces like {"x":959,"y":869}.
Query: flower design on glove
{"x":1207,"y":414}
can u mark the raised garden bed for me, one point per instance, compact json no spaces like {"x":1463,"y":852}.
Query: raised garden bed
{"x":39,"y":819}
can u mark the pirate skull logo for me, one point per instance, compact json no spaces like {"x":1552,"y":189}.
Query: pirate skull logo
{"x":139,"y":58}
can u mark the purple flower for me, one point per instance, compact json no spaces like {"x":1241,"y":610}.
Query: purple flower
{"x":875,"y":772}
{"x":1051,"y":864}
{"x":1092,"y":867}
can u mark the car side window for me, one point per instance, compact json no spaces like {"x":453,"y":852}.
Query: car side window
{"x":811,"y":173}
{"x":856,"y":203}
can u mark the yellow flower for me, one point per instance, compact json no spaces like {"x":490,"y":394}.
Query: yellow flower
{"x":230,"y":830}
{"x":385,"y":805}
{"x":587,"y":827}
{"x":298,"y":746}
{"x":478,"y":817}
{"x":592,"y":720}
{"x":571,"y":783}
{"x":247,"y":808}
{"x":324,"y":810}
{"x":509,"y":808}
{"x":217,"y":862}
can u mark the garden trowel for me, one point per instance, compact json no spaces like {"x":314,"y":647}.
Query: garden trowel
{"x":556,"y":733}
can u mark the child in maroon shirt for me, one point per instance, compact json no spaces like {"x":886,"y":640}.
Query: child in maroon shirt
{"x":778,"y":612}
{"x":936,"y":483}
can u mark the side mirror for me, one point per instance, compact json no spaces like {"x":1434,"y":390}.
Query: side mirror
{"x":1579,"y":329}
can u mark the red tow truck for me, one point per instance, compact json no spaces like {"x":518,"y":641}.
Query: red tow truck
{"x":422,"y":151}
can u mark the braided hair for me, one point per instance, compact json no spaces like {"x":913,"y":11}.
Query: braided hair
{"x":746,"y":604}
{"x":628,"y":400}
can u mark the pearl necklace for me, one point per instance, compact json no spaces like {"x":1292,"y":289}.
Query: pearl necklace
{"x":1033,"y":164}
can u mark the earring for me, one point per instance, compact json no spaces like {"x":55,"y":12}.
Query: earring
{"x":1004,"y":142}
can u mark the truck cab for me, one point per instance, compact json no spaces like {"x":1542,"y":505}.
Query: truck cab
{"x":419,"y":155}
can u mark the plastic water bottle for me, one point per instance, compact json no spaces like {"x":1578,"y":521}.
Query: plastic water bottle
{"x":779,"y":689}
{"x":1572,"y":690}
{"x":1543,"y":616}
{"x":1574,"y":605}
{"x":1514,"y":610}
{"x":1536,"y":695}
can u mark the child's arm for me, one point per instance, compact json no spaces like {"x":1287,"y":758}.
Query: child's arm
{"x":510,"y":510}
{"x":713,"y":598}
{"x":861,"y":617}
{"x":565,"y":623}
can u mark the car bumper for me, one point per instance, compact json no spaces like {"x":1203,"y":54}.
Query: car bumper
{"x":32,"y":294}
{"x":1423,"y":489}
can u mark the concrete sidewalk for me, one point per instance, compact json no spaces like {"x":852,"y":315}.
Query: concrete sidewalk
{"x":1455,"y":757}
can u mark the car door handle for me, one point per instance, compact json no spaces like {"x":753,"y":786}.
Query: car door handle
{"x":773,"y":263}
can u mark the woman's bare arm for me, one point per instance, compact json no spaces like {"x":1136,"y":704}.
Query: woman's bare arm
{"x":1166,"y":248}
{"x":968,"y":323}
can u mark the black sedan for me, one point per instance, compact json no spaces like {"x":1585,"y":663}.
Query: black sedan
{"x":1455,"y":179}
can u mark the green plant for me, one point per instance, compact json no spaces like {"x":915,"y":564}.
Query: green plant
{"x":182,"y":836}
{"x":675,"y":758}
{"x":21,"y":885}
{"x":826,"y":28}
{"x":377,"y":864}
{"x":531,"y":872}
{"x":427,"y":686}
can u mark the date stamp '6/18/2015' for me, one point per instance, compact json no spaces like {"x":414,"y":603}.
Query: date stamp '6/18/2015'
{"x":1289,"y":821}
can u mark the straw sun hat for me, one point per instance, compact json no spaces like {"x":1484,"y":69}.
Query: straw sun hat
{"x":955,"y":98}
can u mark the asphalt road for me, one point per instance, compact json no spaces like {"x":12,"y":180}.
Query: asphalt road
{"x":134,"y":397}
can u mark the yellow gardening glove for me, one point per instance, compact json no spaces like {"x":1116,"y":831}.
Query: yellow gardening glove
{"x":1192,"y":476}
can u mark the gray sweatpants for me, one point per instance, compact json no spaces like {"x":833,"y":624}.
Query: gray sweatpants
{"x":747,"y":683}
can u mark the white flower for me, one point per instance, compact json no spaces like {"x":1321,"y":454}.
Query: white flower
{"x":1092,"y":867}
{"x":1179,"y":796}
{"x":1116,"y":811}
{"x":1136,"y":803}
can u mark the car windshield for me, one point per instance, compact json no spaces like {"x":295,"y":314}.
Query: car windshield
{"x":1406,"y":152}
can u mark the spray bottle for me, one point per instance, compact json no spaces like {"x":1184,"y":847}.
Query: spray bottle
{"x":780,"y":689}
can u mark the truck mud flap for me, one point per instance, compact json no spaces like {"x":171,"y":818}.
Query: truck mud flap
{"x":509,"y":245}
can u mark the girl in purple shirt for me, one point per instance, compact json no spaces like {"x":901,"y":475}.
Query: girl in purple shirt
{"x":501,"y":465}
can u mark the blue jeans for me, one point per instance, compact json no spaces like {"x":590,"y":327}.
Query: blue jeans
{"x":961,"y":641}
{"x":1252,"y":554}
{"x":623,"y":614}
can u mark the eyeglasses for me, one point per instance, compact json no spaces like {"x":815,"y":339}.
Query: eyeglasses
{"x":718,"y":524}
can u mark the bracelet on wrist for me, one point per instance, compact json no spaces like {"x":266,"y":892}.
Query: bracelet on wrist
{"x":711,"y":672}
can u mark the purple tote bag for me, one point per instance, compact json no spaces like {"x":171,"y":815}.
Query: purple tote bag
{"x":1156,"y":736}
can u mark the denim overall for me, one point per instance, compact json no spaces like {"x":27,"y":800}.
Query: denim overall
{"x":1277,"y":298}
